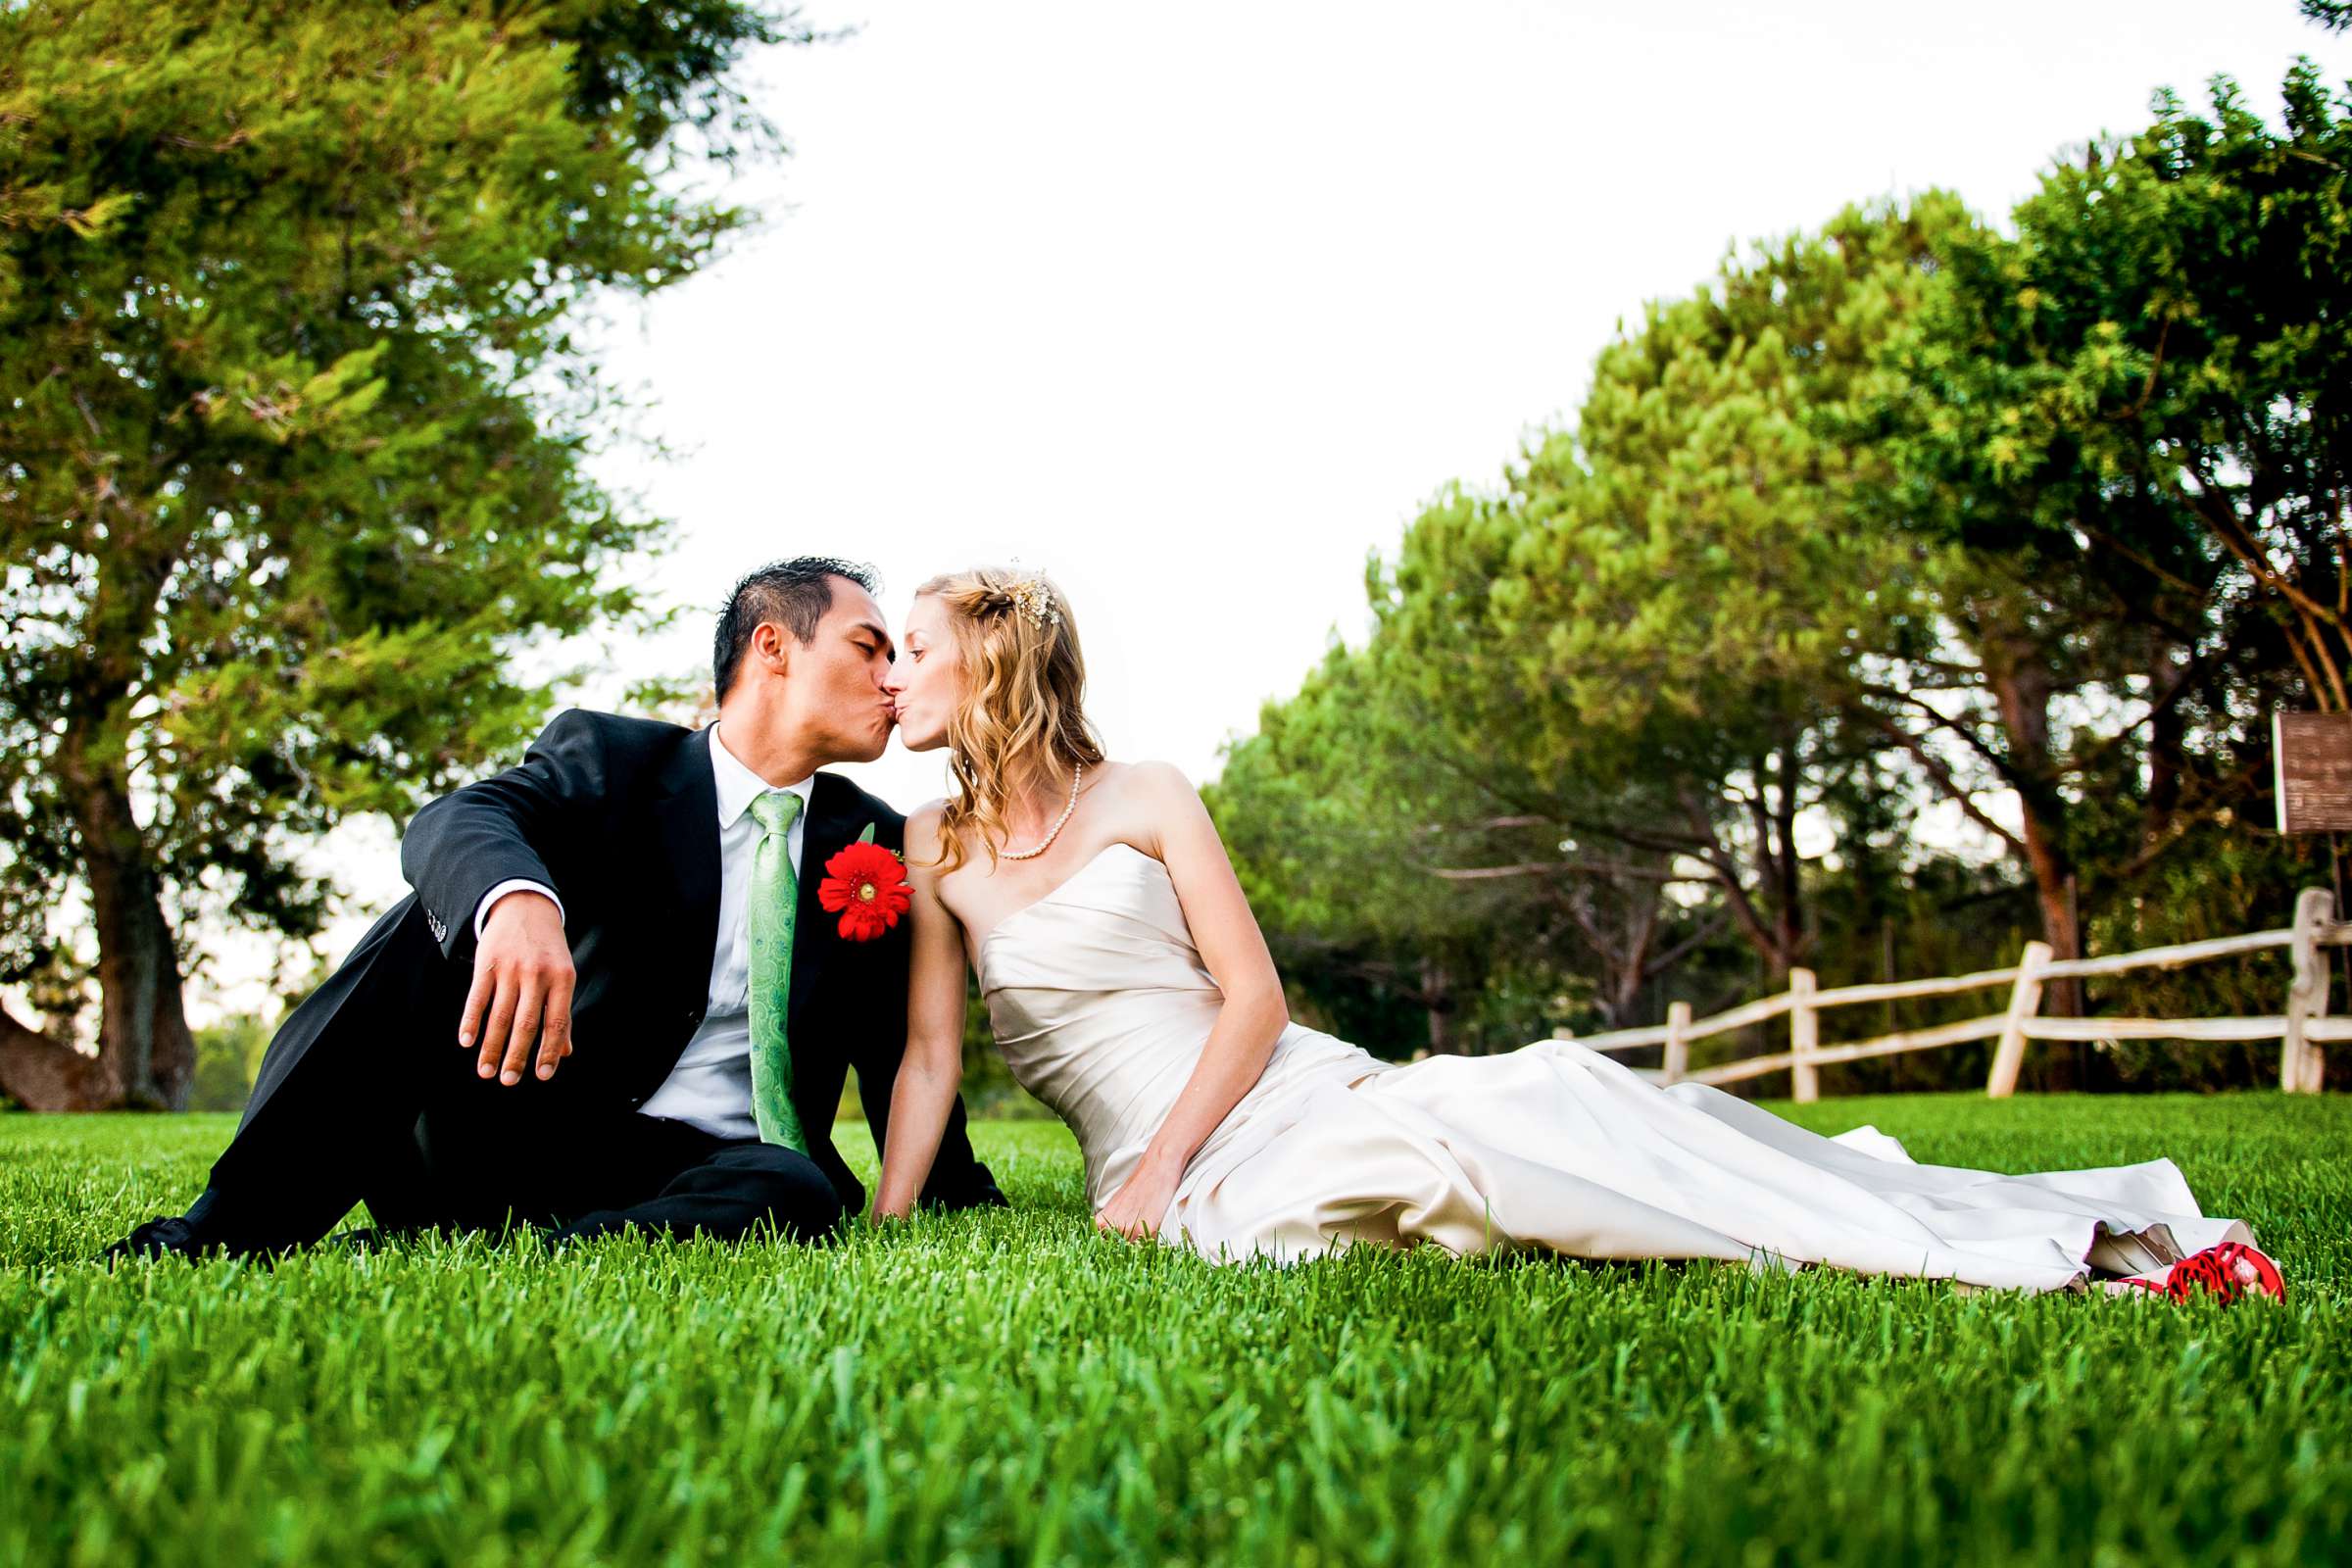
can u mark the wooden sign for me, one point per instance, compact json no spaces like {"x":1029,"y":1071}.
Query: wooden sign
{"x":2312,"y":754}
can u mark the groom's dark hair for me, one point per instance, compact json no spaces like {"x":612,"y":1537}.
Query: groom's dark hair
{"x":795,"y":594}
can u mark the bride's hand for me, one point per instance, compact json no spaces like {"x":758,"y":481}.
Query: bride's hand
{"x":1136,"y":1209}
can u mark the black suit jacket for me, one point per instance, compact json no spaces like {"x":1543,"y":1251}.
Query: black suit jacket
{"x":620,"y":817}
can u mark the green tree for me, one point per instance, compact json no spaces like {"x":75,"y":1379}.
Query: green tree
{"x":1321,"y":809}
{"x":1673,"y":599}
{"x":1903,"y":509}
{"x":1595,"y":704}
{"x":2130,"y":429}
{"x":1547,"y":821}
{"x":292,"y":463}
{"x":1399,"y":825}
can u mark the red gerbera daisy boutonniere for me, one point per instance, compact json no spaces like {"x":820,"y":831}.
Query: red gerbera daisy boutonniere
{"x":865,"y":884}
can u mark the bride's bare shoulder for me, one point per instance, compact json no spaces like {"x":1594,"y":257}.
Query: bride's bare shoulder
{"x":922,"y":833}
{"x":1151,"y":796}
{"x":1160,"y":780}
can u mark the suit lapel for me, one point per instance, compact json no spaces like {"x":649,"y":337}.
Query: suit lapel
{"x":689,"y":827}
{"x":831,"y":827}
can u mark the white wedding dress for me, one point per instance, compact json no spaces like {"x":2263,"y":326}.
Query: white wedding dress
{"x":1101,"y":1005}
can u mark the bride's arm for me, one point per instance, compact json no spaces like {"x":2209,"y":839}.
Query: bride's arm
{"x":929,"y":1074}
{"x":1251,"y":1019}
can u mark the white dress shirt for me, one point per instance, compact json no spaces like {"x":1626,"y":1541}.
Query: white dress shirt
{"x":711,"y":1087}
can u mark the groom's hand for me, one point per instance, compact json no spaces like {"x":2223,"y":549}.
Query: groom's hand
{"x":522,"y":978}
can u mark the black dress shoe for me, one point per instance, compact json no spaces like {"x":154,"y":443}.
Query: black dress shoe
{"x":169,"y":1237}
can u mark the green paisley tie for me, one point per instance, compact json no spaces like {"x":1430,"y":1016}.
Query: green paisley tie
{"x":775,"y":897}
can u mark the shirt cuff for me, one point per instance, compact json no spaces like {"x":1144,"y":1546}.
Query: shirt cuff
{"x":481,"y":910}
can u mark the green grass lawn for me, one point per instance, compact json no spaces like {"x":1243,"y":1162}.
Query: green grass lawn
{"x":1010,"y":1388}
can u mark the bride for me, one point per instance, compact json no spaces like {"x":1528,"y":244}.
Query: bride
{"x":1130,"y":989}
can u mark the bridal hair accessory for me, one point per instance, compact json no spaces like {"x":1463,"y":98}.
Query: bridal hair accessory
{"x":1032,"y":598}
{"x":1077,"y":772}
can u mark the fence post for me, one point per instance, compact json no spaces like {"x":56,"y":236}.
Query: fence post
{"x":1804,"y":1036}
{"x":1678,"y":1041}
{"x":2302,"y":1065}
{"x":2023,"y":999}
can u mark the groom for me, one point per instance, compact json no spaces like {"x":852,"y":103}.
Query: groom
{"x":615,"y":998}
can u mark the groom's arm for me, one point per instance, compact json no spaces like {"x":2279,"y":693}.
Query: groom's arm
{"x":465,"y":851}
{"x":488,"y":845}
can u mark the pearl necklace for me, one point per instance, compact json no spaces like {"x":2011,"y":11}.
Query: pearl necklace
{"x":1077,"y":772}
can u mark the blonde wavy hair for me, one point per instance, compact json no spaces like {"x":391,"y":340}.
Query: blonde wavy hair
{"x":1019,"y":725}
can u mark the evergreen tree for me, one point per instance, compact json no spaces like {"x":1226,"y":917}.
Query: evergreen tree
{"x":291,"y":449}
{"x":2135,"y":418}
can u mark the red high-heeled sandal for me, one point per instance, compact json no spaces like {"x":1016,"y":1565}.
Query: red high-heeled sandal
{"x":2228,"y":1270}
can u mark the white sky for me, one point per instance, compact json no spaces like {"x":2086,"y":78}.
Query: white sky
{"x":1193,"y":307}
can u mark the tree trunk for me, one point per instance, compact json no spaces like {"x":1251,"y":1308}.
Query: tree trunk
{"x":142,"y":1021}
{"x":1627,"y":971}
{"x":1436,"y":994}
{"x":2023,"y":691}
{"x":1789,"y":896}
{"x":146,"y":1054}
{"x":1765,"y":927}
{"x":1777,"y":886}
{"x":40,"y":1073}
{"x":2168,"y":732}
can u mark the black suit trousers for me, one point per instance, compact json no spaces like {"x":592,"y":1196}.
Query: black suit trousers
{"x":365,"y":1097}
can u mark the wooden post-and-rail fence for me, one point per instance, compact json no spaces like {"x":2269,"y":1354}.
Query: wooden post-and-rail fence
{"x":2301,"y":1030}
